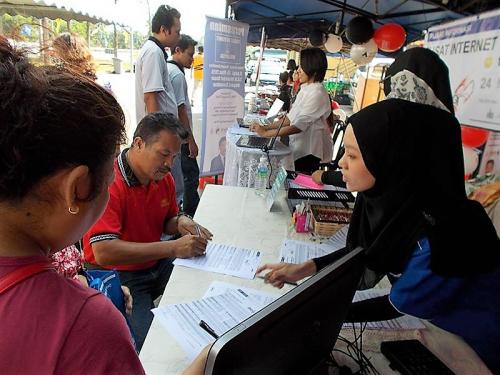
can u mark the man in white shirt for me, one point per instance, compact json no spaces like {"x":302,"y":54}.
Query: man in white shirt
{"x":182,"y":57}
{"x":153,"y":89}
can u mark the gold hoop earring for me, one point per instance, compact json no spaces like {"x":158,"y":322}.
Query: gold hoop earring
{"x":73,"y":211}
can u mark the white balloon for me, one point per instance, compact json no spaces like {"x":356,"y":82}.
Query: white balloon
{"x":340,"y":112}
{"x":333,"y":43}
{"x":362,"y":54}
{"x":471,"y":159}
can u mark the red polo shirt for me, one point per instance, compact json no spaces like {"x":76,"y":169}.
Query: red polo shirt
{"x":135,"y":212}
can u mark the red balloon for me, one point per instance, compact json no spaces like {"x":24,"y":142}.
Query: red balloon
{"x":390,"y":37}
{"x":474,"y":137}
{"x":335,"y":105}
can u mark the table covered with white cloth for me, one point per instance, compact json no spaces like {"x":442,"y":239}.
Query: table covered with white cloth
{"x":241,"y":162}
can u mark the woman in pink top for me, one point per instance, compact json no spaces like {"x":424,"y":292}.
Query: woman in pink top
{"x":58,"y":135}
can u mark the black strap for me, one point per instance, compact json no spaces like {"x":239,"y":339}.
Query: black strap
{"x":160,"y":46}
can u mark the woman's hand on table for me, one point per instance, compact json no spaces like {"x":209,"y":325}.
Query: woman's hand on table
{"x":279,"y":273}
{"x":316,"y":176}
{"x":257,"y":128}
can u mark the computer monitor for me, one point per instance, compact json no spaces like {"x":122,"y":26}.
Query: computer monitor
{"x":295,"y":333}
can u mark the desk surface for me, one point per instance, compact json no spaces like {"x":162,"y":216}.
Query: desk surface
{"x":239,"y":217}
{"x":235,"y":216}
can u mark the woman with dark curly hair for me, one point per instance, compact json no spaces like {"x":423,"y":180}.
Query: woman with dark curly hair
{"x":58,"y":136}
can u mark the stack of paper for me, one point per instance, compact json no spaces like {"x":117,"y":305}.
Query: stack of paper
{"x":293,"y":251}
{"x":223,"y":307}
{"x":226,"y":259}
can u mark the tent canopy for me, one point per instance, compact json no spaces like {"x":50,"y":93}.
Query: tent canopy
{"x":66,"y":10}
{"x":289,"y":20}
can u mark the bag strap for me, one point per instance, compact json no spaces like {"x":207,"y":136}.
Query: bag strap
{"x":15,"y":277}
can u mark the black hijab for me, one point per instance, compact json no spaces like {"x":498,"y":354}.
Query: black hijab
{"x":414,"y":152}
{"x":427,"y":66}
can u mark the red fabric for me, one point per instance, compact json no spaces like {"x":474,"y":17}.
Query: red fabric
{"x":17,"y":276}
{"x":135,"y":214}
{"x":53,"y":325}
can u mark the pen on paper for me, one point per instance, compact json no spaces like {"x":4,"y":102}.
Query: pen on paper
{"x":208,"y":329}
{"x":285,"y":282}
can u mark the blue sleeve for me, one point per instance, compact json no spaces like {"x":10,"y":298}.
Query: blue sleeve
{"x":420,"y":292}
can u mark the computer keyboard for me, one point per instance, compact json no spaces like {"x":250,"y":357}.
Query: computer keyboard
{"x":411,"y":357}
{"x":252,"y":141}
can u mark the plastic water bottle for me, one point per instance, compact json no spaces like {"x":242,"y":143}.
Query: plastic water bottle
{"x":262,"y":177}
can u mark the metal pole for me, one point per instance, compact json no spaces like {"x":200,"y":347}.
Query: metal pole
{"x":88,"y":34}
{"x":131,"y":49}
{"x":262,"y":46}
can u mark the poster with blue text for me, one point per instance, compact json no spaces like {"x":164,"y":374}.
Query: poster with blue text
{"x":223,"y":88}
{"x":471,"y":48}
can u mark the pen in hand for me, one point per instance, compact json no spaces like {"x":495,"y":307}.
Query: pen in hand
{"x":285,"y":282}
{"x":208,"y":329}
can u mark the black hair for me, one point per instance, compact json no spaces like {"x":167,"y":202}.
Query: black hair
{"x":50,"y":120}
{"x":491,"y":161}
{"x":313,"y":62}
{"x":292,"y":65}
{"x":200,"y":49}
{"x":184,"y":43}
{"x":284,"y":77}
{"x":153,"y":123}
{"x":164,"y":16}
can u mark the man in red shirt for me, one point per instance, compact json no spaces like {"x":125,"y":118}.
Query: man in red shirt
{"x":141,"y":208}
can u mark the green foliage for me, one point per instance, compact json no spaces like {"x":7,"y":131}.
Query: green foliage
{"x":28,"y":29}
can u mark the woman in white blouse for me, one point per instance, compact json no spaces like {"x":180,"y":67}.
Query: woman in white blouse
{"x":310,"y":138}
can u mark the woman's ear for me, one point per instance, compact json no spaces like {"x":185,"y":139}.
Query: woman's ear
{"x":76,"y":186}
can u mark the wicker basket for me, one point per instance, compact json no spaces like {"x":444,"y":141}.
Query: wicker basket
{"x":325,"y":226}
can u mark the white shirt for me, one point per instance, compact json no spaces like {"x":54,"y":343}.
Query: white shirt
{"x":179,"y":85}
{"x":308,"y":114}
{"x":151,"y":75}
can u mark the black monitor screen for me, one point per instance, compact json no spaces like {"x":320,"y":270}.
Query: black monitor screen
{"x":296,"y":332}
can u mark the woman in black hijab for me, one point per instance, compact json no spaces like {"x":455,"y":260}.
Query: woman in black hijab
{"x":416,"y":224}
{"x":417,"y":75}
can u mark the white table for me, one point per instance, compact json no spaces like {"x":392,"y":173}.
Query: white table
{"x":238,"y":216}
{"x":235,"y":216}
{"x":241,"y":162}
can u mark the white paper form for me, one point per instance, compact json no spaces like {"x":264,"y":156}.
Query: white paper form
{"x":405,"y":322}
{"x":261,"y":298}
{"x":293,"y":251}
{"x":226,"y":259}
{"x":222,"y":312}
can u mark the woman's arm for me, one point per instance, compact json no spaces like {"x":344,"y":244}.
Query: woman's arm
{"x":269,"y":132}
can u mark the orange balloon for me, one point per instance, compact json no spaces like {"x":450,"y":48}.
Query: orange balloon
{"x":390,"y":37}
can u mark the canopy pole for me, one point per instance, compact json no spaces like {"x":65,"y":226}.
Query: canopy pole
{"x":259,"y":61}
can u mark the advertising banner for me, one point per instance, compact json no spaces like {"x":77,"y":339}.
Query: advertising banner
{"x":223,"y":88}
{"x":471,"y":49}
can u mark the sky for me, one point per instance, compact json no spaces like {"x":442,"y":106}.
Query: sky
{"x":135,"y":12}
